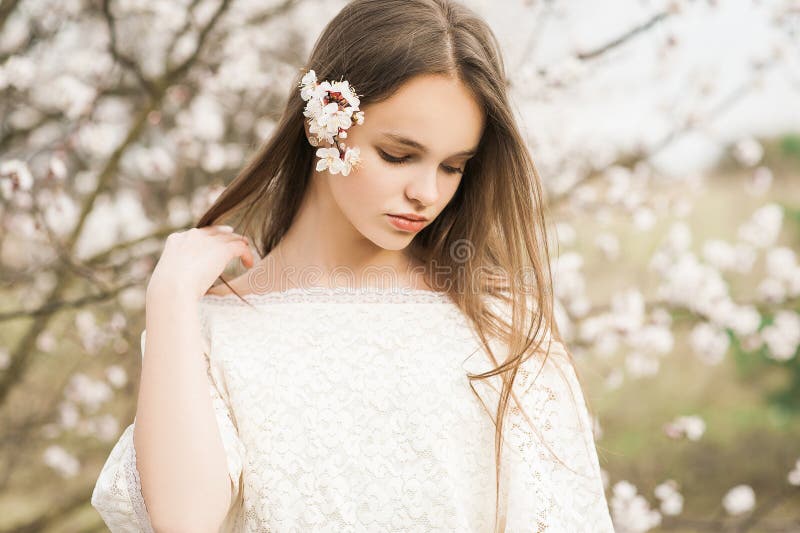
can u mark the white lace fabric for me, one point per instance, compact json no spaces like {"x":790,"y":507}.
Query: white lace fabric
{"x":352,"y":411}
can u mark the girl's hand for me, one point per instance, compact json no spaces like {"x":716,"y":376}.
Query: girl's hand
{"x":193,"y":259}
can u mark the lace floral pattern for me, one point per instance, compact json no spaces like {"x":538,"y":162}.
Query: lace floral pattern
{"x":117,"y":495}
{"x":551,"y":469}
{"x":352,"y":411}
{"x":326,"y":295}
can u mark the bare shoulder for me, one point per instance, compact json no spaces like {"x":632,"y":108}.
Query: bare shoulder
{"x":254,"y":280}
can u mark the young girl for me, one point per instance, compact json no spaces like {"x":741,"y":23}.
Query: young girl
{"x":389,"y":361}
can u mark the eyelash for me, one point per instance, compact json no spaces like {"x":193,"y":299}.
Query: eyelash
{"x":402,"y":160}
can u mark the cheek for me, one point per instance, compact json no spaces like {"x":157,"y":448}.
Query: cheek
{"x":369,"y":188}
{"x":449,"y":187}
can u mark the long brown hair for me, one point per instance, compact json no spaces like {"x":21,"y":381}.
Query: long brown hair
{"x":491,"y":238}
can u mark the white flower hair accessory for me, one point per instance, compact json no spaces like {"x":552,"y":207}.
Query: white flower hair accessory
{"x":331,"y":108}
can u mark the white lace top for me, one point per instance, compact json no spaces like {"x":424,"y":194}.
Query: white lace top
{"x":351,"y":411}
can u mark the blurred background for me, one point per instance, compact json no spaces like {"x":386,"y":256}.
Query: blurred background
{"x":667,"y":135}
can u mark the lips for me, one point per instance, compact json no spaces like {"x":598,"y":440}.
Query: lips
{"x":410,"y":216}
{"x":406,"y":224}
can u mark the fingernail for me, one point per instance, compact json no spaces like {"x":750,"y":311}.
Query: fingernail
{"x":226,"y":228}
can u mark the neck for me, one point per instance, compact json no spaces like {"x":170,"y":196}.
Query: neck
{"x":322,"y":248}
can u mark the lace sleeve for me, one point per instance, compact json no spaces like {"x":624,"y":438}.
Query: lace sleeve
{"x":117,"y":494}
{"x":550,"y":472}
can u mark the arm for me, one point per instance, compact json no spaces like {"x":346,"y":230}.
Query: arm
{"x":180,"y":456}
{"x":117,"y":494}
{"x":549,"y":468}
{"x":554,"y":469}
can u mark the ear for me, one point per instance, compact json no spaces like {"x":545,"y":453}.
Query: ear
{"x":309,"y":138}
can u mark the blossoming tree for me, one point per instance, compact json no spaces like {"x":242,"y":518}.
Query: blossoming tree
{"x":122,"y":121}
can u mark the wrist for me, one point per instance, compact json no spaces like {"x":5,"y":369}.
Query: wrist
{"x":172,"y":294}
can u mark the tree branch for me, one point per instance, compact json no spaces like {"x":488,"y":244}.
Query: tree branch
{"x":6,"y":8}
{"x":628,"y":35}
{"x":119,"y":56}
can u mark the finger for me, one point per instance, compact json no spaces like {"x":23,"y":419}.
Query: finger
{"x":241,"y":249}
{"x":217,"y":229}
{"x":237,"y":245}
{"x":248,"y":259}
{"x":234,"y":237}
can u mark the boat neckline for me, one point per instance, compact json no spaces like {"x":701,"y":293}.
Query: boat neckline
{"x":334,"y":295}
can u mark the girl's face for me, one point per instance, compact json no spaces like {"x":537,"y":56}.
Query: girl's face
{"x":414,"y":146}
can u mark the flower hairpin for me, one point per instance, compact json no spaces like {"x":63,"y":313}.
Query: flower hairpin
{"x":331,"y":108}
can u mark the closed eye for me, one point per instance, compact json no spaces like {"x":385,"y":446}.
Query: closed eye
{"x":402,"y":160}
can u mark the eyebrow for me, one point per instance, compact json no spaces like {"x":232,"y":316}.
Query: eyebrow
{"x":414,"y":144}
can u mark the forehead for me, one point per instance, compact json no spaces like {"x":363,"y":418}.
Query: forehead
{"x":437,"y":111}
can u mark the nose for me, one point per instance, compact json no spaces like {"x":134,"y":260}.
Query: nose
{"x":424,"y":188}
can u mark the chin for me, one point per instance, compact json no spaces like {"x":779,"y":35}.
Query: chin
{"x":391,"y":240}
{"x":397,"y":243}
